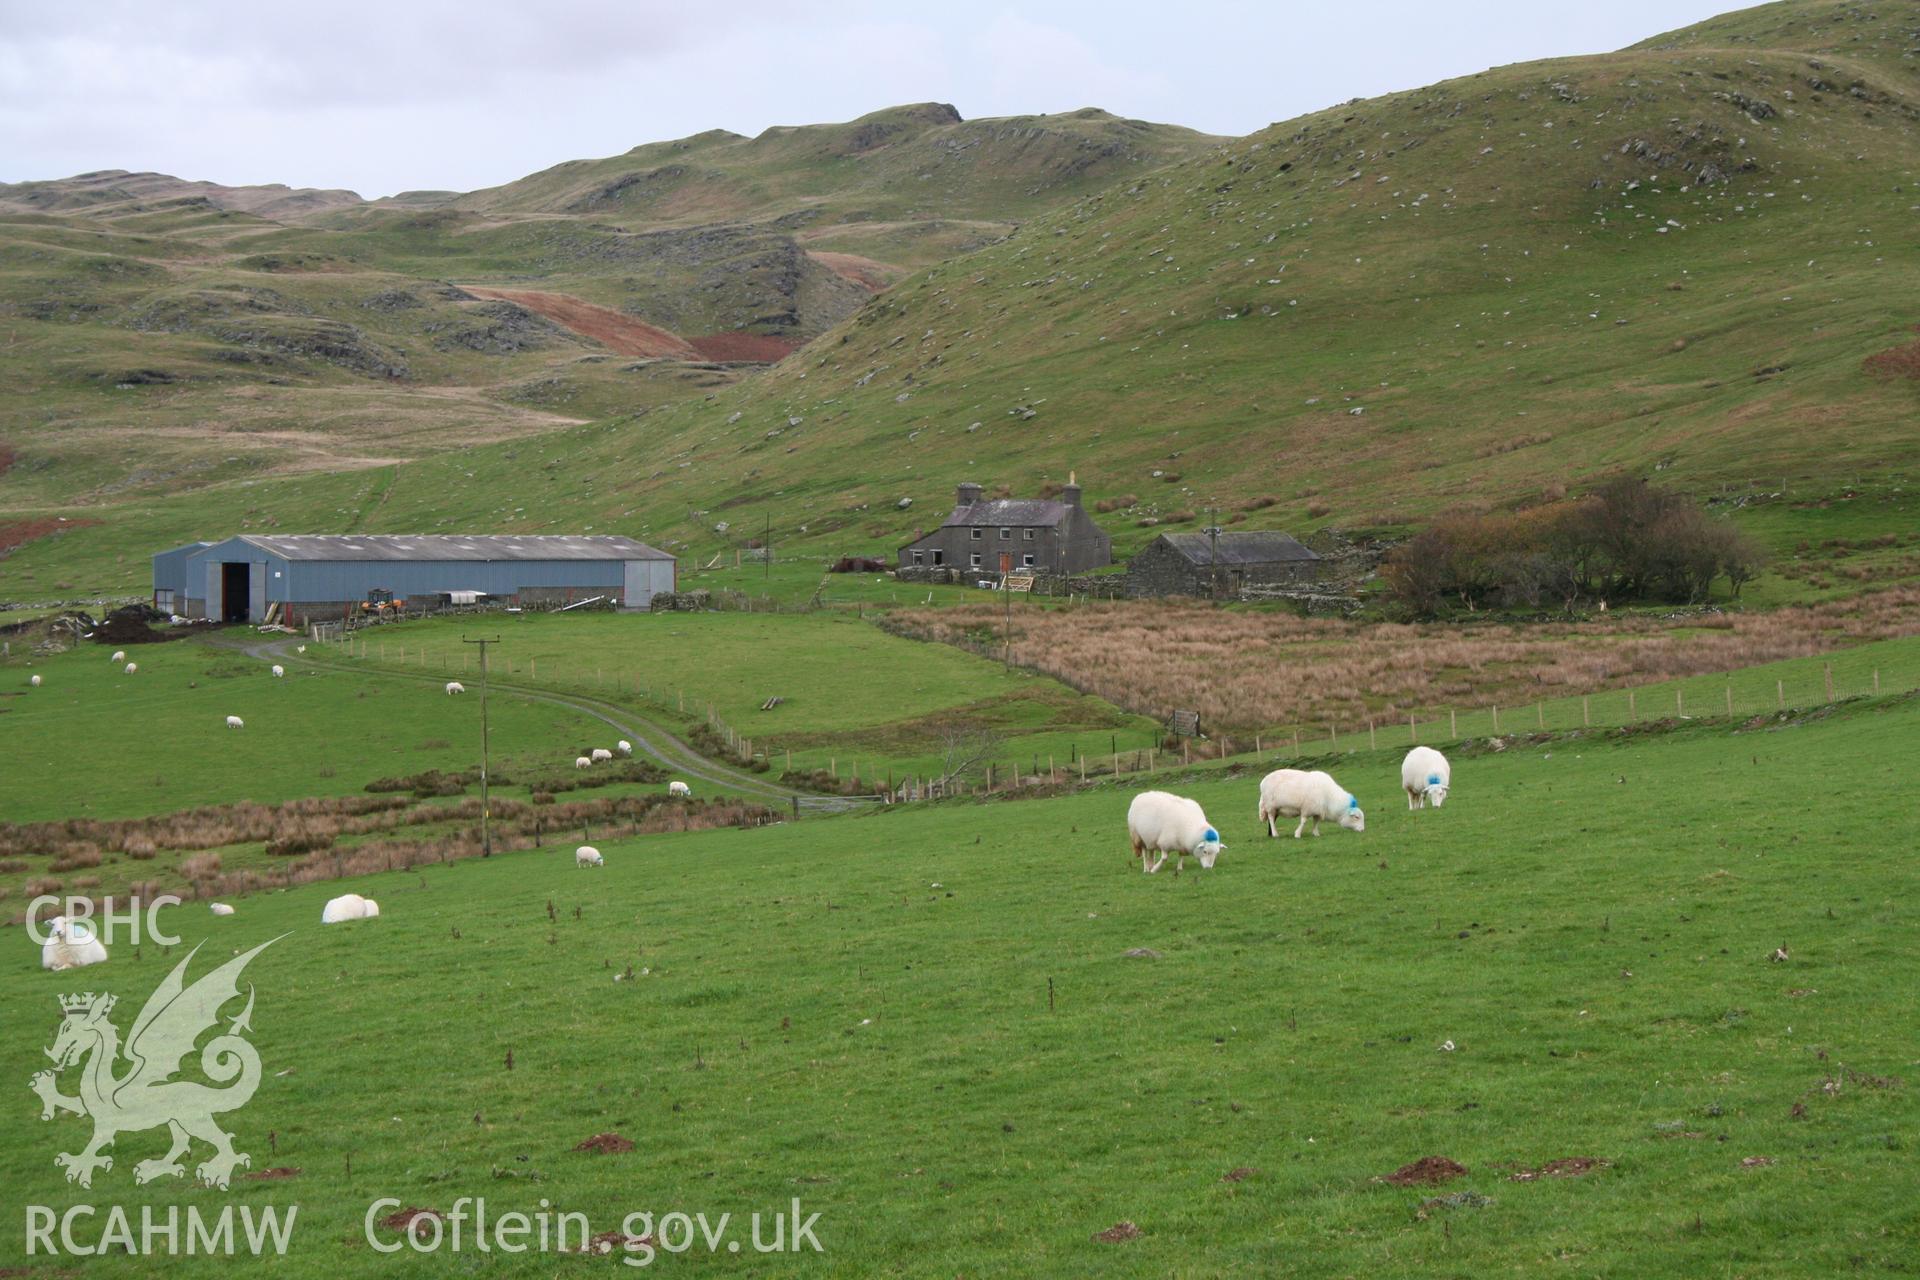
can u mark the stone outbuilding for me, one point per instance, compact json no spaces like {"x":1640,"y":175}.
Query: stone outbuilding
{"x":1221,"y":566}
{"x":1013,"y":535}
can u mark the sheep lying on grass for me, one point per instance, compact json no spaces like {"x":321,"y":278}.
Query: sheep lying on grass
{"x":582,"y":762}
{"x":349,"y":906}
{"x":678,"y":788}
{"x":235,"y":722}
{"x":220,"y":908}
{"x":1163,"y":823}
{"x":454,"y":686}
{"x":624,"y":747}
{"x":588,"y":856}
{"x":1314,"y":795}
{"x":70,"y":944}
{"x":601,"y":755}
{"x":1425,"y":775}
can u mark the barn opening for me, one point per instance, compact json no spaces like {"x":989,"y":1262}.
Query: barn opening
{"x":233,"y":591}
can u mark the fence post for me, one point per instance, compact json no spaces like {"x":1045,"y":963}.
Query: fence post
{"x":1729,"y":697}
{"x":1633,"y":712}
{"x":1453,"y":723}
{"x":1780,"y":694}
{"x":1256,"y":744}
{"x":1083,"y":769}
{"x":1186,"y":751}
{"x":1413,"y":734}
{"x":1333,"y":734}
{"x":1540,"y":715}
{"x":1296,"y":739}
{"x":989,"y":777}
{"x":1829,"y":673}
{"x":1586,"y":710}
{"x":1876,"y":682}
{"x":1496,"y":720}
{"x":1372,"y":742}
{"x":1680,"y":702}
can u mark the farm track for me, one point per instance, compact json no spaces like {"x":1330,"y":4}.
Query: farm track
{"x":648,"y":737}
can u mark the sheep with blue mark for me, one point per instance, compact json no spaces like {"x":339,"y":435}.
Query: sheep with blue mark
{"x":1310,"y":795}
{"x":1425,"y":775}
{"x":1163,"y":823}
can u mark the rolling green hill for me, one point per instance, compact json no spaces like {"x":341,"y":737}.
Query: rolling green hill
{"x":1688,"y":257}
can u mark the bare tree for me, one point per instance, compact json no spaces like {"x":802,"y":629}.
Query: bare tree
{"x":962,"y":748}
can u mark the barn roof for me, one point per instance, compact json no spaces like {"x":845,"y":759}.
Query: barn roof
{"x":1009,"y":511}
{"x":1259,"y":547}
{"x":401,"y":547}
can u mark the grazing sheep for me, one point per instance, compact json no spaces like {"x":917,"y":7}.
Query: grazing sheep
{"x":35,"y":682}
{"x":601,"y":755}
{"x":1163,"y":823}
{"x":119,"y":655}
{"x":678,"y":788}
{"x":624,"y":747}
{"x":588,"y":856}
{"x":235,"y":722}
{"x":1425,"y":775}
{"x":454,"y":686}
{"x":1315,"y":795}
{"x":582,"y":762}
{"x":132,"y":667}
{"x":278,"y":671}
{"x":348,"y":906}
{"x":220,"y":908}
{"x":70,"y":944}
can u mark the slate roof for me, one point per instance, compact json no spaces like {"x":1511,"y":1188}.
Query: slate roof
{"x":1044,"y":512}
{"x":1261,"y":547}
{"x":401,"y":547}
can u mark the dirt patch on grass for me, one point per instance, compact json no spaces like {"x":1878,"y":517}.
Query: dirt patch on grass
{"x":1565,"y":1167}
{"x":614,"y":330}
{"x":1117,"y":1233}
{"x":1238,"y":1175}
{"x":608,"y":1241}
{"x":605,"y":1144}
{"x":274,"y":1175}
{"x":757,"y":348}
{"x":15,"y":534}
{"x":1425,"y":1172}
{"x":405,"y":1219}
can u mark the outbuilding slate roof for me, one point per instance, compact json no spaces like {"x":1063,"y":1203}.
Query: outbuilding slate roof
{"x":349,"y":546}
{"x":1008,"y":511}
{"x":1260,"y":547}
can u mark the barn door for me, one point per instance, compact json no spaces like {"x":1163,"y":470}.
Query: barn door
{"x":256,"y":592}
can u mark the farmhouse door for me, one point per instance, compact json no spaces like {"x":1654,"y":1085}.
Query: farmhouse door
{"x":1006,"y":562}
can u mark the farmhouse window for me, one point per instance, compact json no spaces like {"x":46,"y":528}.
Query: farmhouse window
{"x":1026,"y":561}
{"x":974,"y":560}
{"x":1005,"y":534}
{"x":978,"y":534}
{"x":163,"y":600}
{"x":919,"y":557}
{"x":1027,"y":534}
{"x":939,"y":556}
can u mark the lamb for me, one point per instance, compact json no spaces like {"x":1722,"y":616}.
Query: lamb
{"x":35,"y":682}
{"x":70,"y":944}
{"x":601,"y":755}
{"x":679,"y":788}
{"x":132,"y":667}
{"x":582,"y":762}
{"x":220,"y":908}
{"x":235,"y":722}
{"x":119,"y":655}
{"x":624,"y":747}
{"x":1160,"y":822}
{"x":278,"y":671}
{"x":454,"y":686}
{"x":1313,"y":796}
{"x":588,"y":856}
{"x":349,"y":906}
{"x":1425,"y":775}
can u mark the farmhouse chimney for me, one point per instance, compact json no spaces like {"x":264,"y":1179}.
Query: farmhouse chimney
{"x":968,"y":494}
{"x":1071,"y":493}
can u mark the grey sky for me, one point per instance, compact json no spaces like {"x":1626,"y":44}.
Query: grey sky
{"x":387,"y":95}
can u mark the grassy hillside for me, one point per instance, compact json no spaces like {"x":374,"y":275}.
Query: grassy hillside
{"x":163,"y":336}
{"x":926,"y":1025}
{"x":1683,"y":258}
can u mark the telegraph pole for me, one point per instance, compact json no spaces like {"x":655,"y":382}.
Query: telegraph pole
{"x":766,"y":549}
{"x":486,"y":806}
{"x":1213,"y":552}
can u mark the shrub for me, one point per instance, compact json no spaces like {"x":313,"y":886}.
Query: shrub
{"x":1120,"y":503}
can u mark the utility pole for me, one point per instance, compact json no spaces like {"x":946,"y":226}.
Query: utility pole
{"x":1006,"y":653}
{"x":1213,"y":552}
{"x":486,"y":806}
{"x":766,"y":548}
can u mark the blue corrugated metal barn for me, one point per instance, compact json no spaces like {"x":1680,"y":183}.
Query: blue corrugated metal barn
{"x":325,"y":577}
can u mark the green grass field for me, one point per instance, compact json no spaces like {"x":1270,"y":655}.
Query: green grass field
{"x":924,"y":1025}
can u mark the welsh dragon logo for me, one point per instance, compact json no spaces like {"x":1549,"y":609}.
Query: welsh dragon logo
{"x":145,"y":1096}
